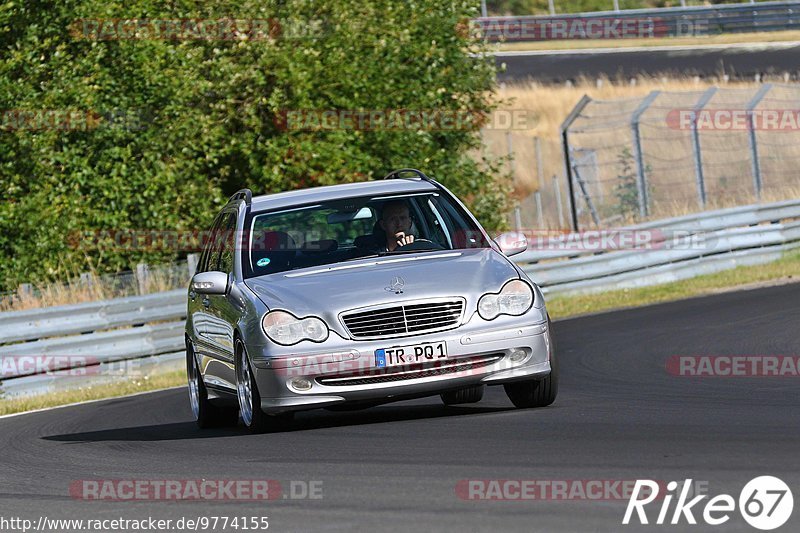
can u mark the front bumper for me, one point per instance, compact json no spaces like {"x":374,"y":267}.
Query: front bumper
{"x":344,"y":371}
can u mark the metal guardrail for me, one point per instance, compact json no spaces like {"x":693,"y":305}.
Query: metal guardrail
{"x":39,"y":346}
{"x":706,"y":243}
{"x":668,"y":21}
{"x":149,"y":329}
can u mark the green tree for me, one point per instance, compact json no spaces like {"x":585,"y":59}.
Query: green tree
{"x":204,"y":116}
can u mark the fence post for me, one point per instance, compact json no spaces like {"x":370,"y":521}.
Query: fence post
{"x":751,"y":131}
{"x":510,"y":148}
{"x":142,"y":275}
{"x":567,"y":155}
{"x":641,"y":182}
{"x":559,"y":202}
{"x":589,"y":203}
{"x":539,"y":160}
{"x":698,"y":155}
{"x":191,"y":264}
{"x":539,"y":215}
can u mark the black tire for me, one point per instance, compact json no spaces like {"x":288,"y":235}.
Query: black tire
{"x":536,"y":393}
{"x":472,"y":394}
{"x":206,"y":414}
{"x":253,"y":418}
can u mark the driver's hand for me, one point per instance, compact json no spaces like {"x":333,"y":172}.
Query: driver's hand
{"x":403,"y":239}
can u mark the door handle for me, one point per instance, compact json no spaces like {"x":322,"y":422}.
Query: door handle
{"x":206,"y":301}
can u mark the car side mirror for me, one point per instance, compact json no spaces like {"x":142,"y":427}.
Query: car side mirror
{"x":512,"y":243}
{"x":210,"y":283}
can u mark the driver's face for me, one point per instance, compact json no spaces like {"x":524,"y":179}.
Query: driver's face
{"x":395,"y":219}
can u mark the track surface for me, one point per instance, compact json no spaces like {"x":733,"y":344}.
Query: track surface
{"x":619,"y":415}
{"x":737,"y":62}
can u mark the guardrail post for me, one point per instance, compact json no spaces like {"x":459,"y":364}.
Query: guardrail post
{"x":191,"y":264}
{"x":87,"y":280}
{"x":641,"y":181}
{"x":751,"y":131}
{"x":25,"y":289}
{"x":568,"y":157}
{"x":698,"y":155}
{"x":559,"y":202}
{"x":142,"y":275}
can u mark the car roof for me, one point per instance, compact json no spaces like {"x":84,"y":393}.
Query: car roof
{"x":340,"y":192}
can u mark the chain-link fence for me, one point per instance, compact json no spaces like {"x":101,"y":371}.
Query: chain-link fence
{"x":668,"y":154}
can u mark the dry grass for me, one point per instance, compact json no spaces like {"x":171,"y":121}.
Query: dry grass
{"x":727,"y":38}
{"x":159,"y":279}
{"x":729,"y":177}
{"x":110,"y":390}
{"x":785,"y":270}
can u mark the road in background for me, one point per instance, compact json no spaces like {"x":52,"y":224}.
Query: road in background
{"x":619,"y":416}
{"x":737,"y":61}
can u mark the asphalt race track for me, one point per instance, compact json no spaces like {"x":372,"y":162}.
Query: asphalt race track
{"x":736,"y":61}
{"x":619,"y":416}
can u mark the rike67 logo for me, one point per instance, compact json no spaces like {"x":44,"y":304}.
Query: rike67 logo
{"x":765,"y":503}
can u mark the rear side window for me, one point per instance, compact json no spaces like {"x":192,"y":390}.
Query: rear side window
{"x":220,"y":257}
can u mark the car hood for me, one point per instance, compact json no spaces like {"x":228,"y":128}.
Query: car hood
{"x":327,"y":291}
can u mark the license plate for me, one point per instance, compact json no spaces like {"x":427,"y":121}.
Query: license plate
{"x":409,"y":355}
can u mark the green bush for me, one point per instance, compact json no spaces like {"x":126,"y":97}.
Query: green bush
{"x":185,"y":123}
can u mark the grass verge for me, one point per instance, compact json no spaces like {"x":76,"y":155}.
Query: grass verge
{"x":582,"y":44}
{"x":120,"y":388}
{"x":785,"y":270}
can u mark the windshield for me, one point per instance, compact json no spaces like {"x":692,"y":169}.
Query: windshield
{"x":354,"y":228}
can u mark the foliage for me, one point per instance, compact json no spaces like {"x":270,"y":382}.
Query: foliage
{"x":183,"y":123}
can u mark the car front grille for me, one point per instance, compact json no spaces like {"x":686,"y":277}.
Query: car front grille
{"x":413,"y":372}
{"x":406,"y":319}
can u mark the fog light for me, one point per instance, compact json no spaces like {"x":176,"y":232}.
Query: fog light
{"x":517,"y":355}
{"x":302,"y":384}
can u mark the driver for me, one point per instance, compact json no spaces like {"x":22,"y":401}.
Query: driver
{"x":396,"y":223}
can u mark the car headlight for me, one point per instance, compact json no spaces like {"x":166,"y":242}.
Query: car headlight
{"x":286,"y":329}
{"x":515,"y":298}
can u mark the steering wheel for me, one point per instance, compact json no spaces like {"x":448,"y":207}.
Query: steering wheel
{"x":420,"y":244}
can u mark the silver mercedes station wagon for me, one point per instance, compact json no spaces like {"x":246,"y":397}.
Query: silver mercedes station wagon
{"x":350,"y":296}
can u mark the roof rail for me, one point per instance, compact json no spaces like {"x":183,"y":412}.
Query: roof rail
{"x":244,"y":194}
{"x":398,"y":174}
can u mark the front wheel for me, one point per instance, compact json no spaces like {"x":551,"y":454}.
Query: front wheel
{"x":254,"y":419}
{"x":206,"y":414}
{"x":540,"y":392}
{"x":472,"y":394}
